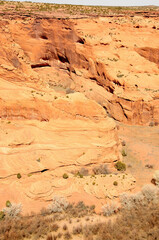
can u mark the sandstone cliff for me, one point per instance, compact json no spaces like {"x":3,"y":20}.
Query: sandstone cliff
{"x":59,"y":81}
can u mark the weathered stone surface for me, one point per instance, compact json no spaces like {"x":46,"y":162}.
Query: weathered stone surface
{"x":76,"y":55}
{"x":47,"y":126}
{"x":43,"y":138}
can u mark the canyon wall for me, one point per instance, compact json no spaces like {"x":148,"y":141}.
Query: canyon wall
{"x":110,"y":61}
{"x":62,"y":82}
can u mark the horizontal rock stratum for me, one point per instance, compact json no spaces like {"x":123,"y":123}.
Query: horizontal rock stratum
{"x":61,"y":81}
{"x":111,"y":60}
{"x":44,"y":134}
{"x":78,"y":133}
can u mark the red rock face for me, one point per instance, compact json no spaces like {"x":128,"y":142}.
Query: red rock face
{"x":47,"y":128}
{"x":59,"y":81}
{"x":151,"y":54}
{"x":91,"y":56}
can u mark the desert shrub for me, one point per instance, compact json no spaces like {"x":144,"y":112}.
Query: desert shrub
{"x":81,"y":205}
{"x":19,"y":176}
{"x":120,"y":75}
{"x":29,"y":174}
{"x":87,"y":218}
{"x":125,"y":200}
{"x":67,"y":235}
{"x":150,"y":192}
{"x":79,"y":210}
{"x":91,"y":230}
{"x":115,"y":183}
{"x":65,"y":227}
{"x":102,"y":169}
{"x":78,"y":174}
{"x":55,"y":227}
{"x":110,"y":208}
{"x":45,"y":7}
{"x":44,"y":211}
{"x":27,"y":227}
{"x":137,"y":199}
{"x":50,"y":237}
{"x":156,"y":178}
{"x":120,"y":166}
{"x":58,"y":204}
{"x":92,"y":207}
{"x":77,"y":230}
{"x":149,"y":166}
{"x":123,"y":143}
{"x":139,"y":223}
{"x":124,"y":154}
{"x":151,"y":124}
{"x":2,"y":215}
{"x":65,"y":176}
{"x":8,"y":203}
{"x":129,"y":201}
{"x":13,"y":210}
{"x":59,"y":235}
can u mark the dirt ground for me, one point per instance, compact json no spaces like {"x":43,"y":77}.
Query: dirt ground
{"x":142,"y":149}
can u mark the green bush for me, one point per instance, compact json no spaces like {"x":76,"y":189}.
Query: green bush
{"x":65,"y":176}
{"x":120,"y":166}
{"x":120,"y":75}
{"x":2,"y":215}
{"x":115,"y":183}
{"x":124,"y":154}
{"x":78,"y":174}
{"x":8,"y":203}
{"x":19,"y":176}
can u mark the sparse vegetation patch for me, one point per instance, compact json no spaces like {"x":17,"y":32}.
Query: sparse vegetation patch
{"x":120,"y":166}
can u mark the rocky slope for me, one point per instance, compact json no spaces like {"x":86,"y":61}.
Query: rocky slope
{"x":46,"y":130}
{"x":93,"y":56}
{"x":59,"y":78}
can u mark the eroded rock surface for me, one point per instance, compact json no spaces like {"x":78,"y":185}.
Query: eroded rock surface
{"x":110,"y":60}
{"x":59,"y":78}
{"x":46,"y":140}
